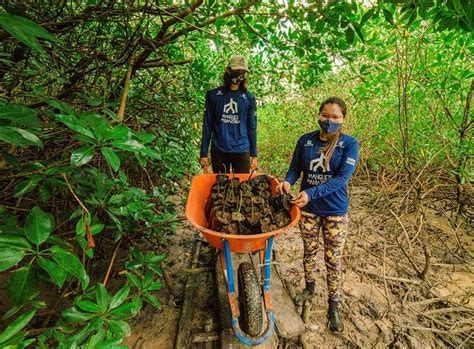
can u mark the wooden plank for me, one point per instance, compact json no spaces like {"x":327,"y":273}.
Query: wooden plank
{"x":229,"y":341}
{"x":288,"y":322}
{"x":205,"y":337}
{"x":185,"y":319}
{"x":224,"y":307}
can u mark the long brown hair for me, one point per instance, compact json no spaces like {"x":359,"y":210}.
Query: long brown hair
{"x":332,"y":140}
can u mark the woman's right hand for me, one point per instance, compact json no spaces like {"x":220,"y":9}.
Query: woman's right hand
{"x":204,"y":162}
{"x":283,"y":187}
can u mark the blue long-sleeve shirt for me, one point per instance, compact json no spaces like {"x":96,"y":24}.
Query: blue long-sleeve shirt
{"x":230,"y":120}
{"x":327,"y":190}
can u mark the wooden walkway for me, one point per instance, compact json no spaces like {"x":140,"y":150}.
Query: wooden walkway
{"x":205,"y":314}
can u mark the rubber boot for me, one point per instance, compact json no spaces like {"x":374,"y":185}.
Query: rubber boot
{"x":334,"y":319}
{"x":310,"y":290}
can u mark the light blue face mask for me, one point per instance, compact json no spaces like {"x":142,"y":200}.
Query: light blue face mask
{"x":329,"y":126}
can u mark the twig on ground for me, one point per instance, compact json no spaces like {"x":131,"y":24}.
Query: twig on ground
{"x":387,"y":294}
{"x":109,"y":269}
{"x":466,"y":329}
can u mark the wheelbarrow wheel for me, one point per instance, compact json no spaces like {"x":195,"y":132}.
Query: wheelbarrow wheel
{"x":250,"y":300}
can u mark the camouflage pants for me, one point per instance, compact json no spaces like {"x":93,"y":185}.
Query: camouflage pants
{"x":334,"y":230}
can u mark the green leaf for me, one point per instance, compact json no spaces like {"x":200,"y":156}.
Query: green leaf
{"x":128,"y":144}
{"x":30,"y":137}
{"x":19,"y":137}
{"x":19,"y":28}
{"x":112,"y":158}
{"x":119,"y":297}
{"x":74,"y":124}
{"x":88,"y":306}
{"x":151,"y":153}
{"x":134,"y":280}
{"x":153,"y":301}
{"x":16,"y":326}
{"x":118,"y":132}
{"x":13,"y":240}
{"x":350,"y":35}
{"x":101,"y":129}
{"x":74,"y":315}
{"x":111,"y":114}
{"x":119,"y":328}
{"x":147,"y":279}
{"x":10,"y":256}
{"x":38,"y":304}
{"x":155,"y":286}
{"x":102,"y":297}
{"x":145,"y":137}
{"x":15,"y":111}
{"x":96,"y":228}
{"x":71,"y":263}
{"x":38,"y":226}
{"x":54,"y":270}
{"x":61,"y":106}
{"x":458,"y":7}
{"x":359,"y":32}
{"x":95,"y":340}
{"x":82,"y":156}
{"x":412,"y":18}
{"x":124,"y":311}
{"x":26,"y":186}
{"x":13,"y":310}
{"x":369,"y":14}
{"x":21,"y":285}
{"x":19,"y":115}
{"x":388,"y":16}
{"x":81,"y":225}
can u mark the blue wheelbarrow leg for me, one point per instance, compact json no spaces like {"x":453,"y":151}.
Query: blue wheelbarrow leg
{"x":226,"y":263}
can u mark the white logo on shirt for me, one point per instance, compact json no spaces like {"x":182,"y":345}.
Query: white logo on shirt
{"x":219,"y":93}
{"x":318,"y":163}
{"x":351,"y":161}
{"x":309,"y":143}
{"x":231,"y":107}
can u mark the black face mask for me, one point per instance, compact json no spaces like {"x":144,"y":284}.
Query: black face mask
{"x":236,"y":77}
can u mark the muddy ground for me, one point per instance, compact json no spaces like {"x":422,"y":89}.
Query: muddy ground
{"x":408,"y":281}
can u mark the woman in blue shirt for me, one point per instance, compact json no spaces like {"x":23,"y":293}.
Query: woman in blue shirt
{"x":327,"y":159}
{"x":230,"y":123}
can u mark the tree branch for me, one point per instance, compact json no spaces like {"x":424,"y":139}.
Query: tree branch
{"x":253,"y":29}
{"x":155,"y":63}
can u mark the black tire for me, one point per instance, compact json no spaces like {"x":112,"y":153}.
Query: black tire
{"x":250,"y":300}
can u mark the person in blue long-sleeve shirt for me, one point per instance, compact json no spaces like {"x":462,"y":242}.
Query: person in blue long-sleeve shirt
{"x":230,"y":123}
{"x":327,"y":159}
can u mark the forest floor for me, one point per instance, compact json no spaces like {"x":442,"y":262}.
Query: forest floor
{"x":386,"y":301}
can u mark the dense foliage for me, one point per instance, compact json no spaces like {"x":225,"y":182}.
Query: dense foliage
{"x":100,"y":112}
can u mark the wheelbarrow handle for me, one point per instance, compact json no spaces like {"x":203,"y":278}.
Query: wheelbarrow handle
{"x":254,"y":340}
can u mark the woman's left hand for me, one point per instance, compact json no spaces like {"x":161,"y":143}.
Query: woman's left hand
{"x":253,"y":163}
{"x":301,"y":200}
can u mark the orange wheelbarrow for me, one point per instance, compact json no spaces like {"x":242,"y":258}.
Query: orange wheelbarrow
{"x":249,"y":305}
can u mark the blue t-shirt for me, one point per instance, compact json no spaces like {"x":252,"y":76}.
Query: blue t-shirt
{"x":230,"y":119}
{"x":327,"y":190}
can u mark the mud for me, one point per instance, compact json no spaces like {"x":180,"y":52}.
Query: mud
{"x":385,"y":303}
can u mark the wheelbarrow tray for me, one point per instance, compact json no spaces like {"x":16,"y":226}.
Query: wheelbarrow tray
{"x":196,"y":214}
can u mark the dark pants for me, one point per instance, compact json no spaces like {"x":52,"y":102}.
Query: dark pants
{"x":229,"y":162}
